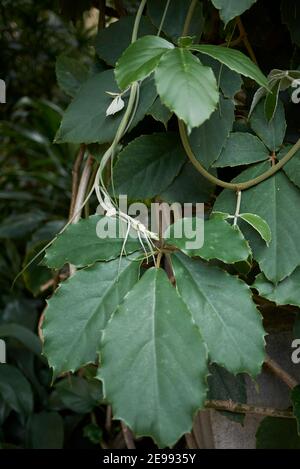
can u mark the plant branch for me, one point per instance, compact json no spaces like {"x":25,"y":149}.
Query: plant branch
{"x":230,"y":185}
{"x":128,"y":436}
{"x":189,"y":17}
{"x":82,"y":188}
{"x":244,"y":38}
{"x":276,"y":369}
{"x":75,"y":177}
{"x":101,"y":21}
{"x":236,"y":407}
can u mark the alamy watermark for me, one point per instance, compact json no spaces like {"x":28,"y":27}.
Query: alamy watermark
{"x":296,"y":92}
{"x":187,"y":220}
{"x":2,"y":92}
{"x":296,"y":353}
{"x":2,"y":351}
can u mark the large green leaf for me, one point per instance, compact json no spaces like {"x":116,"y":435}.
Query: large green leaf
{"x":292,"y":167}
{"x":148,"y":165}
{"x":80,"y":309}
{"x":295,"y":398}
{"x":225,"y":386}
{"x":186,"y":87}
{"x":175,"y":17}
{"x":140,"y":59}
{"x":285,"y":293}
{"x":242,"y":148}
{"x":70,"y":74}
{"x":15,"y":390}
{"x":78,"y":394}
{"x":230,"y":82}
{"x":271,"y":133}
{"x":151,"y":348}
{"x":188,"y":187}
{"x":111,"y":42}
{"x":208,"y":140}
{"x":45,"y":431}
{"x":233,"y":59}
{"x":223,"y":309}
{"x":277,"y":433}
{"x":276,"y":200}
{"x":222,"y":241}
{"x":229,"y":9}
{"x":79,"y":244}
{"x":85,"y":119}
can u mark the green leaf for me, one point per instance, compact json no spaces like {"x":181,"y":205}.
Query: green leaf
{"x":111,"y":42}
{"x":15,"y":390}
{"x":233,"y":59}
{"x":229,"y":9}
{"x":186,"y":87}
{"x":79,"y":310}
{"x":271,"y":133}
{"x":79,"y":244}
{"x":222,"y":308}
{"x":225,"y":386}
{"x":85,"y":119}
{"x":140,"y":59}
{"x":222,"y":241}
{"x":159,"y":112}
{"x":149,"y":349}
{"x":148,"y":165}
{"x":285,"y":293}
{"x":78,"y":394}
{"x":205,"y":141}
{"x":242,"y":148}
{"x":271,"y":101}
{"x":175,"y":17}
{"x":282,"y":256}
{"x":188,"y":187}
{"x":292,"y":167}
{"x":23,"y":335}
{"x":277,"y":433}
{"x":70,"y":74}
{"x":295,"y":398}
{"x":259,"y":224}
{"x":230,"y":82}
{"x":45,"y":431}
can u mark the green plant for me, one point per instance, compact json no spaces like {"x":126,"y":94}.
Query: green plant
{"x":159,"y":324}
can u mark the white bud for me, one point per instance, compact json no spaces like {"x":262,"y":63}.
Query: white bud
{"x":116,"y":105}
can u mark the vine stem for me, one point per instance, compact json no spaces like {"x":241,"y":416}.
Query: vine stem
{"x":128,"y":436}
{"x":276,"y":369}
{"x":230,"y":185}
{"x":75,"y":177}
{"x":238,"y":408}
{"x":244,"y":38}
{"x":189,"y":17}
{"x":238,"y":206}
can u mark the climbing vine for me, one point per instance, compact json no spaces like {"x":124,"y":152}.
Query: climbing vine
{"x":177,"y":109}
